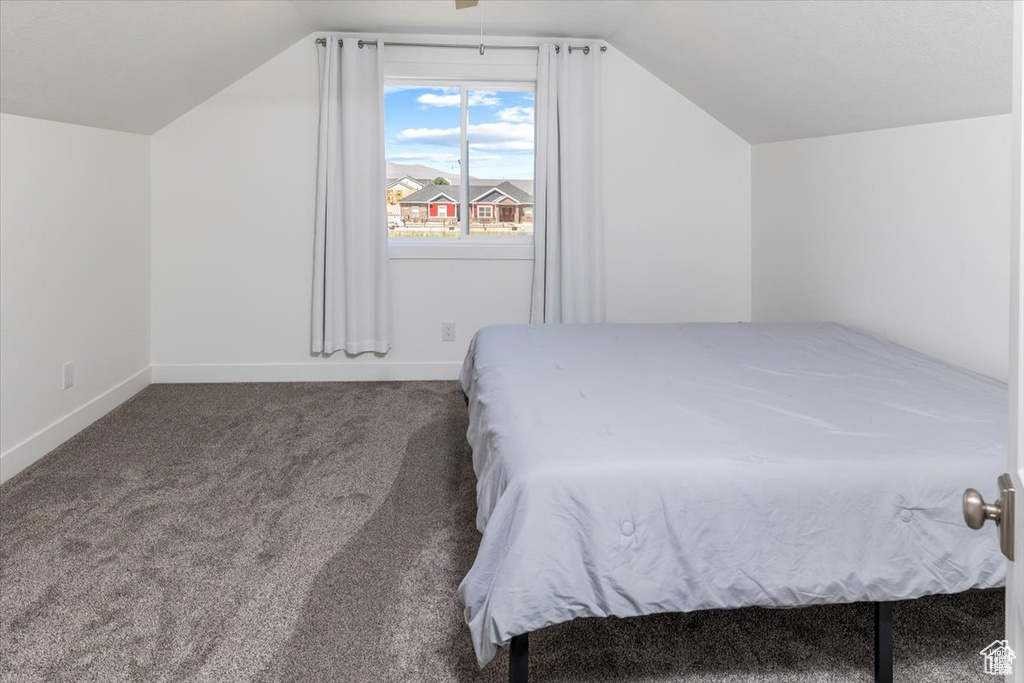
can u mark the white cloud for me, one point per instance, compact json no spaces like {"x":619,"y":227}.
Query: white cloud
{"x":483,"y":98}
{"x":424,"y":157}
{"x":502,"y":135}
{"x":510,"y":146}
{"x":439,"y":159}
{"x":516,"y":114}
{"x":430,"y":99}
{"x":477,"y":98}
{"x":432,"y":136}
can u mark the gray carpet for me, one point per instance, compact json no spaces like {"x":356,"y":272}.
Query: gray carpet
{"x":317,"y":532}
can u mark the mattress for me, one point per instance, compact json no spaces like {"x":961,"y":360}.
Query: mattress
{"x":633,"y":469}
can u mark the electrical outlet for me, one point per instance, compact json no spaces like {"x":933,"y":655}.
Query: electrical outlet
{"x":448,"y":330}
{"x":69,"y":375}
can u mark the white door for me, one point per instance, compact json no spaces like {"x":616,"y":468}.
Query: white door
{"x":1015,"y":459}
{"x":1008,"y":511}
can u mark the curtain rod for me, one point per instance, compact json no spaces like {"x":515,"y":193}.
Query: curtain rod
{"x":481,"y":46}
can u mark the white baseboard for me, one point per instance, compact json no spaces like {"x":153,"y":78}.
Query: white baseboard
{"x":21,"y":455}
{"x":306,"y":372}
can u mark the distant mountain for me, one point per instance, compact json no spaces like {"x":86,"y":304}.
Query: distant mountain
{"x":419,"y":171}
{"x":427,"y":172}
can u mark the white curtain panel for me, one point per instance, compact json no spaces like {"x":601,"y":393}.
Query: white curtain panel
{"x":568,"y":267}
{"x":351,"y":287}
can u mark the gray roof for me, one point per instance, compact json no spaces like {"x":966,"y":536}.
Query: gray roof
{"x":431,"y":191}
{"x":524,"y":185}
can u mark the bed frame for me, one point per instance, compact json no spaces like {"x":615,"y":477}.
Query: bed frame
{"x":519,"y":649}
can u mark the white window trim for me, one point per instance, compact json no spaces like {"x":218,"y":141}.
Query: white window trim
{"x":466,"y":246}
{"x":490,"y":210}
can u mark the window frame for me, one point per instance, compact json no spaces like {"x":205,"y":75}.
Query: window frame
{"x":513,"y":246}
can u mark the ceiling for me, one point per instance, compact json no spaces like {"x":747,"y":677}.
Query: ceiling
{"x":563,"y":18}
{"x":132,"y":66}
{"x":768,"y":70}
{"x":798,"y":69}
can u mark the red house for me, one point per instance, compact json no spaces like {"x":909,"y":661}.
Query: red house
{"x":433,"y":204}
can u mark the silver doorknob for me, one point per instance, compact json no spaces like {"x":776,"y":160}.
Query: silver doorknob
{"x":977,"y":511}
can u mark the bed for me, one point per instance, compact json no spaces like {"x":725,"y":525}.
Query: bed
{"x":634,"y":469}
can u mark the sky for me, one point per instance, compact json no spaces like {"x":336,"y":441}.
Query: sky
{"x":421,"y":126}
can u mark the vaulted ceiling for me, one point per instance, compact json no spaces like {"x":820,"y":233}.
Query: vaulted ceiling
{"x":768,"y":70}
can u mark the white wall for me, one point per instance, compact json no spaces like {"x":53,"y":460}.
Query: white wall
{"x":903,"y":233}
{"x":233,"y":194}
{"x":677,"y":204}
{"x":74,"y":279}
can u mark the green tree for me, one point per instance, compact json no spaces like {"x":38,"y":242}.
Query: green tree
{"x":439,"y":180}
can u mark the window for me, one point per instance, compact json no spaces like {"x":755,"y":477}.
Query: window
{"x":440,"y":135}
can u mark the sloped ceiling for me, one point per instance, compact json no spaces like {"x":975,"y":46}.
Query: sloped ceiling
{"x":768,"y":70}
{"x":132,"y":66}
{"x":796,"y":69}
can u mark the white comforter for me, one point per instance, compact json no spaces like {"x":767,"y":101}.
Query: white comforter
{"x":633,"y":469}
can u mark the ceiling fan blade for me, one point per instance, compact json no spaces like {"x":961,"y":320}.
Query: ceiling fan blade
{"x":463,"y":4}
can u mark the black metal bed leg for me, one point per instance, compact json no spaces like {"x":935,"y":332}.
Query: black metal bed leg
{"x":883,"y":642}
{"x":519,"y":659}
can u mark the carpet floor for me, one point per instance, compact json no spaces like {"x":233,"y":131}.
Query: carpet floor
{"x":317,"y":532}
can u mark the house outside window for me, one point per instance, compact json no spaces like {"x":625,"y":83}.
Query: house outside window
{"x":460,"y":158}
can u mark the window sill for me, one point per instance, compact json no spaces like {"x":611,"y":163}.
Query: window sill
{"x":459,"y":250}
